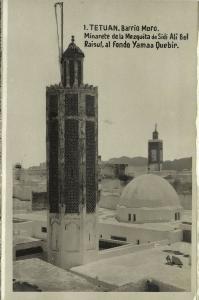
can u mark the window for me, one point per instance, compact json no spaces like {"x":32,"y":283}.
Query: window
{"x":43,"y":229}
{"x":129,"y":217}
{"x":134,"y":217}
{"x":177,"y":216}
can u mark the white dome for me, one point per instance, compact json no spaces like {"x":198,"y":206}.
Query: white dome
{"x":150,"y":191}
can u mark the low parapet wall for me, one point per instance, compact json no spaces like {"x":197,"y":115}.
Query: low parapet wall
{"x":127,"y":249}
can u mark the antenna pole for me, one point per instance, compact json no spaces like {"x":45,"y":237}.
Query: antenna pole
{"x":60,"y":47}
{"x":62,"y":25}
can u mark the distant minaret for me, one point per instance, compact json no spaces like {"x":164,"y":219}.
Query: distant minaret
{"x":155,"y":152}
{"x":72,"y":164}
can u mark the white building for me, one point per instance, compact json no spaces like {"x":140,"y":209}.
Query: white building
{"x":149,"y":198}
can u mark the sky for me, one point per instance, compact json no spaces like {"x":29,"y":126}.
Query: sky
{"x":137,"y":87}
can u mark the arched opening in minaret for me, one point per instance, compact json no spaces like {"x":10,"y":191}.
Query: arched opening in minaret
{"x":71,"y":71}
{"x":79,"y":64}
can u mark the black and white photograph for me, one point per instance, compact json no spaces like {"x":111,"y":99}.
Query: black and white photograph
{"x":101,"y":139}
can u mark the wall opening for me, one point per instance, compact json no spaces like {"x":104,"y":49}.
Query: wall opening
{"x":107,"y":244}
{"x":28,"y":251}
{"x":187,"y":236}
{"x":43,"y":229}
{"x":177,"y":216}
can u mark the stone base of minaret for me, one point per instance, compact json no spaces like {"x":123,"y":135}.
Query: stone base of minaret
{"x":72,"y":241}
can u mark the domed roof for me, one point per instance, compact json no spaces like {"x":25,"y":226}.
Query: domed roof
{"x":149,"y":191}
{"x":73,"y":50}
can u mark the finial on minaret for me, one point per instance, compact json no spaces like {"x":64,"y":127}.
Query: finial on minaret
{"x":72,"y":38}
{"x":155,"y":133}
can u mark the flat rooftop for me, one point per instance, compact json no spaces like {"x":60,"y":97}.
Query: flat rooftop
{"x":48,"y":277}
{"x":146,"y":264}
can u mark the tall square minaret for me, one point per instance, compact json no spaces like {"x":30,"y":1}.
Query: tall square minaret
{"x":72,"y":164}
{"x":155,"y":152}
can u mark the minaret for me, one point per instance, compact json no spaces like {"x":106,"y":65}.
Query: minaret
{"x":72,"y":164}
{"x":155,"y":152}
